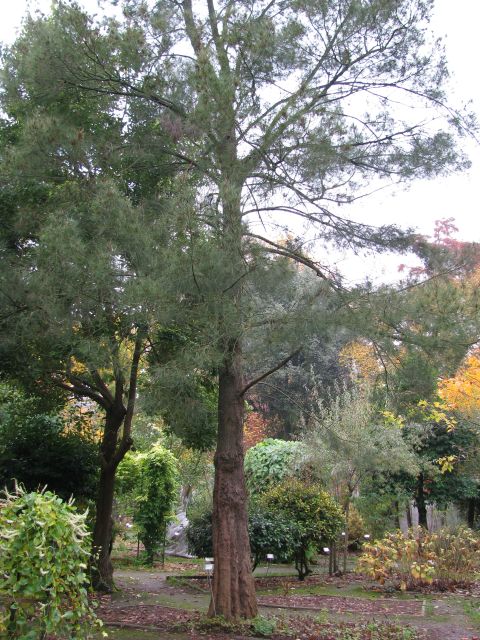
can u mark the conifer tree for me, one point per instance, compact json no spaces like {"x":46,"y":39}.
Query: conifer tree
{"x":86,"y":229}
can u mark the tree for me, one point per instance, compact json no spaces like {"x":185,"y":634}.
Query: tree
{"x":84,"y":234}
{"x":41,"y":449}
{"x":350,"y":442}
{"x":281,"y":109}
{"x":313,"y":513}
{"x":462,"y":391}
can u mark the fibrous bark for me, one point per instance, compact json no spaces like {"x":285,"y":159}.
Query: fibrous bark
{"x":233,"y":583}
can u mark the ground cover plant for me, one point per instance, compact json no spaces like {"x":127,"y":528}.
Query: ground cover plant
{"x":417,"y":559}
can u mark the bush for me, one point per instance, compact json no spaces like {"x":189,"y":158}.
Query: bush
{"x":315,"y":514}
{"x":268,"y":532}
{"x":155,"y":495}
{"x":271,"y":533}
{"x":199,"y":535}
{"x":290,"y":521}
{"x":44,"y":547}
{"x":417,"y":559}
{"x":271,"y":461}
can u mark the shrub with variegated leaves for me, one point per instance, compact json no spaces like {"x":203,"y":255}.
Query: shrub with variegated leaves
{"x":44,"y":549}
{"x":418,"y":558}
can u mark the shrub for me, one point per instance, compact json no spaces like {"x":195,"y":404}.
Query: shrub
{"x":44,"y":547}
{"x":317,"y":517}
{"x":271,"y":533}
{"x":418,"y":558}
{"x":39,"y":449}
{"x":199,"y":535}
{"x":156,"y":492}
{"x":268,"y":532}
{"x":271,"y":461}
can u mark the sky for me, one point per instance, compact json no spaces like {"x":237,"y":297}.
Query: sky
{"x":455,"y":196}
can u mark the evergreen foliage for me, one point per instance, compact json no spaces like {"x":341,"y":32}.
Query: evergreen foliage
{"x":269,"y":532}
{"x":151,"y":479}
{"x":276,"y":111}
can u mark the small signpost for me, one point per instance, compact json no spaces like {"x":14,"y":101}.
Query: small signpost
{"x":209,"y":567}
{"x":326,"y":551}
{"x":270,"y":558}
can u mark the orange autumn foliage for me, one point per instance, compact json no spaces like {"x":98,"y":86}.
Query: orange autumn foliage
{"x":462,"y":391}
{"x":255,"y":429}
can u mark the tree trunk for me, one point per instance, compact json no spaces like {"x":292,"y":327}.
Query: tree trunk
{"x":471,"y":512}
{"x":100,"y":562}
{"x":421,"y":504}
{"x":233,"y":583}
{"x":345,"y":542}
{"x":396,"y":506}
{"x":408,"y":513}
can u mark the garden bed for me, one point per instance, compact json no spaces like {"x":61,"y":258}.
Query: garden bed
{"x":343,"y":604}
{"x":138,"y":616}
{"x":171,"y":620}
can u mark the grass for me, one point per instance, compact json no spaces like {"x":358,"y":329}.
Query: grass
{"x":472,"y":611}
{"x":353,"y":590}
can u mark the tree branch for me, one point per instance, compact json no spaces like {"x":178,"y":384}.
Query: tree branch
{"x":126,"y":441}
{"x":281,"y":364}
{"x":104,"y":390}
{"x":82,"y":391}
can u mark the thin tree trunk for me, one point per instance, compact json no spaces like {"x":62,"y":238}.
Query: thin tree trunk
{"x":396,"y":506}
{"x":345,"y":544}
{"x":420,"y":502}
{"x":233,"y":583}
{"x":408,"y":513}
{"x":101,"y":564}
{"x":471,"y":512}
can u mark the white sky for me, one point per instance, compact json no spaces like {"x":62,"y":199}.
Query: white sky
{"x":455,"y":196}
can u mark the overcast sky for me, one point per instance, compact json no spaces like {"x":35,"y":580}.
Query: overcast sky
{"x":456,"y":196}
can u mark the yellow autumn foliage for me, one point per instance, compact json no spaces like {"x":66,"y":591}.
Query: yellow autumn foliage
{"x":360,"y":359}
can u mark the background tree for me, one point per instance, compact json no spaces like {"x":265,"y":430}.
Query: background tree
{"x":350,"y":441}
{"x":42,"y":450}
